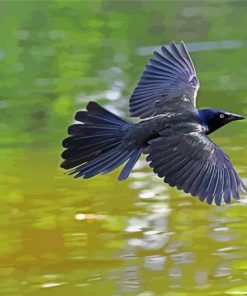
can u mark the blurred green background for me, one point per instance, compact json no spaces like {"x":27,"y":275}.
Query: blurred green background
{"x":60,"y":236}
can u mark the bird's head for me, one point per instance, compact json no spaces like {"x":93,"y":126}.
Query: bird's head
{"x":213,"y":119}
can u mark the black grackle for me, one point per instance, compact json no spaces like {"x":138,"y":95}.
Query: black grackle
{"x":173,"y":133}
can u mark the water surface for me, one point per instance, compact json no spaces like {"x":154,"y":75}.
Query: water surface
{"x":60,"y":236}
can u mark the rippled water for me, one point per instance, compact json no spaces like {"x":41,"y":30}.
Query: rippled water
{"x":60,"y":236}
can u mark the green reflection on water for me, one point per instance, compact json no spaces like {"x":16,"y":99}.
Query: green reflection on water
{"x":100,"y":236}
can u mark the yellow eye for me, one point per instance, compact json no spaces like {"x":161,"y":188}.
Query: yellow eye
{"x":222,"y":115}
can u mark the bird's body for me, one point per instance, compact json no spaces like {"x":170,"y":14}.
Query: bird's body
{"x":170,"y":123}
{"x":173,"y":133}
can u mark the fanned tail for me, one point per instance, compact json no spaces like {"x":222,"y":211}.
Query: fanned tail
{"x":94,"y":145}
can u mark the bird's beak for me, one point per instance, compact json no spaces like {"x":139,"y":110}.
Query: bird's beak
{"x":237,"y":117}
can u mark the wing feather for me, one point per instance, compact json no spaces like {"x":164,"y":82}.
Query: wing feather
{"x":169,"y":83}
{"x":193,"y":163}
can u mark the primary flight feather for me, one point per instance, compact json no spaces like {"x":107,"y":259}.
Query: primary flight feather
{"x":173,"y":133}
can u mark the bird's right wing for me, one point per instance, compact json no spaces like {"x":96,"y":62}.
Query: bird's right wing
{"x":169,"y":83}
{"x":192,"y":162}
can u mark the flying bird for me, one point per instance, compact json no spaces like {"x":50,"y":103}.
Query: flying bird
{"x":172,"y":132}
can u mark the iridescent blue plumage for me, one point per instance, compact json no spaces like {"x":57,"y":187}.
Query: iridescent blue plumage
{"x":213,"y":119}
{"x":174,"y":133}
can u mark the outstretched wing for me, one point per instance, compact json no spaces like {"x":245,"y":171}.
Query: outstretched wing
{"x":193,"y":163}
{"x":168,"y":84}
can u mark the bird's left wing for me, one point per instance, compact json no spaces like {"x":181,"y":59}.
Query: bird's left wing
{"x":193,"y":163}
{"x":169,"y":83}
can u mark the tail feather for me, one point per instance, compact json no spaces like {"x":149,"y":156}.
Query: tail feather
{"x":94,"y":145}
{"x":117,"y":162}
{"x":84,"y":129}
{"x":85,"y":143}
{"x":88,"y":118}
{"x":130,"y":164}
{"x":97,"y":109}
{"x":95,"y":114}
{"x":75,"y":156}
{"x":95,"y":166}
{"x":72,"y":163}
{"x":104,"y":164}
{"x":74,"y":152}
